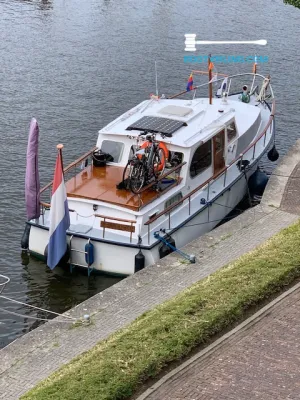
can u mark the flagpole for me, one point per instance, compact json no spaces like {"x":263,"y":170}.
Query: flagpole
{"x":156,"y":86}
{"x":209,"y":80}
{"x":59,"y":149}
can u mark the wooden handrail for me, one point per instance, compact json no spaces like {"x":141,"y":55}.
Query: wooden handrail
{"x":168,"y":209}
{"x":115,"y":219}
{"x":162,"y":177}
{"x":70,"y":166}
{"x":80,"y":159}
{"x":42,"y":203}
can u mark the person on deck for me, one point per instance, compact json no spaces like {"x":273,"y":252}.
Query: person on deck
{"x":245,"y":96}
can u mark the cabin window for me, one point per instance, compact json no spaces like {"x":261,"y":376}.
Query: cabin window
{"x":115,"y":149}
{"x":173,"y":200}
{"x":201,"y":159}
{"x":231,"y":132}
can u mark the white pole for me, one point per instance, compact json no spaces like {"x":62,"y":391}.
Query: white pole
{"x":190,"y":42}
{"x":156,"y":86}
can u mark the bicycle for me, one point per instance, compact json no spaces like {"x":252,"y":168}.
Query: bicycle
{"x":146,"y":164}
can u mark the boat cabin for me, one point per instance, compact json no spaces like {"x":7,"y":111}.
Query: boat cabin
{"x":204,"y":138}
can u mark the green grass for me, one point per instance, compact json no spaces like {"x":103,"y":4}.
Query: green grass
{"x":116,"y":367}
{"x":295,"y":3}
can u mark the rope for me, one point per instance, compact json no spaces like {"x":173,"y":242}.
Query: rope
{"x":232,"y":208}
{"x":84,"y":216}
{"x":222,"y":219}
{"x":215,"y":220}
{"x":29,"y":317}
{"x":3,"y":284}
{"x":184,"y":255}
{"x":20,"y":292}
{"x":37,"y":308}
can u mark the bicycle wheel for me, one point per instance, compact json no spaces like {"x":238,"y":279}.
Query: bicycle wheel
{"x":159,"y":162}
{"x":126,"y":175}
{"x":137,"y":178}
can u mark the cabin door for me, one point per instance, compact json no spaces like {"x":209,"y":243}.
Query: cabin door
{"x":218,"y":151}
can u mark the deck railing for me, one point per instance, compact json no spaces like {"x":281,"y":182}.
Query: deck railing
{"x":231,"y":79}
{"x":69,"y":168}
{"x":155,"y":183}
{"x":207,"y":183}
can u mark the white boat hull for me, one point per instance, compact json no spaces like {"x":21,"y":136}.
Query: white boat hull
{"x":119,"y":259}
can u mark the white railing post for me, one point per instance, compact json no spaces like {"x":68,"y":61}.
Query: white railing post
{"x":254,"y":150}
{"x":225,"y":174}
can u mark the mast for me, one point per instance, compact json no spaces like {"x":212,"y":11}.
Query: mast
{"x":59,"y":149}
{"x":156,"y":85}
{"x":209,"y":79}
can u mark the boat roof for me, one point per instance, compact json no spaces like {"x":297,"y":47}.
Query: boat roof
{"x":183,"y":122}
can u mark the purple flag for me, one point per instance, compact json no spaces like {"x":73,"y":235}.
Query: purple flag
{"x":32,"y":179}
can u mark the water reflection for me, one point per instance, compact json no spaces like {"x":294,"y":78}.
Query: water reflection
{"x":24,"y":257}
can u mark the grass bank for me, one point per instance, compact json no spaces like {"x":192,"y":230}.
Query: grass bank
{"x":117,"y":366}
{"x":295,"y":3}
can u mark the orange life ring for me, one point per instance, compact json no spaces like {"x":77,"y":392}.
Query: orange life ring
{"x":165,"y":153}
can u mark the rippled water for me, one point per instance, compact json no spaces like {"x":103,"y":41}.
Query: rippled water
{"x":76,"y":65}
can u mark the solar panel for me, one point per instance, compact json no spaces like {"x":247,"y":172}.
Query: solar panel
{"x":165,"y":126}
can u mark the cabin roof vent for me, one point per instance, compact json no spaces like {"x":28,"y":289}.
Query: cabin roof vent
{"x":177,"y":111}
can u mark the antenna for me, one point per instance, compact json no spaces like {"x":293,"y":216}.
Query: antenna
{"x":156,"y":86}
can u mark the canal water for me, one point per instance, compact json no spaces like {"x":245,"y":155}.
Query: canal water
{"x":76,"y":65}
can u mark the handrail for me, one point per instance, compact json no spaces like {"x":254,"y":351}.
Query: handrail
{"x":80,"y":159}
{"x":70,"y":166}
{"x":166,"y":210}
{"x":174,"y":205}
{"x":219,"y":80}
{"x":115,"y":219}
{"x":162,"y":177}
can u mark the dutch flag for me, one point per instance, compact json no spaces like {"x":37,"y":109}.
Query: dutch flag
{"x":59,"y":217}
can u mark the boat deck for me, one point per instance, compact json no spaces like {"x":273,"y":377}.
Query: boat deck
{"x":99,"y":183}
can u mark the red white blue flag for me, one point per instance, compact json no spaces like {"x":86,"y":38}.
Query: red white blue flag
{"x":59,"y":217}
{"x":190,"y":83}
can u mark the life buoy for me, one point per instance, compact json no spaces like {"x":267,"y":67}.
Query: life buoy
{"x":165,"y":153}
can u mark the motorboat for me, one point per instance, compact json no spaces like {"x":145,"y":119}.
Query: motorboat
{"x":210,"y":145}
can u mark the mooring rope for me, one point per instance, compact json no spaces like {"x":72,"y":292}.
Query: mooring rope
{"x":3,"y":284}
{"x":38,"y":308}
{"x":190,"y":258}
{"x":225,"y":218}
{"x":31,"y":317}
{"x":66,"y":318}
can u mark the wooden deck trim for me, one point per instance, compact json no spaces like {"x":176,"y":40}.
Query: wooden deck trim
{"x":131,"y":221}
{"x":70,"y":166}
